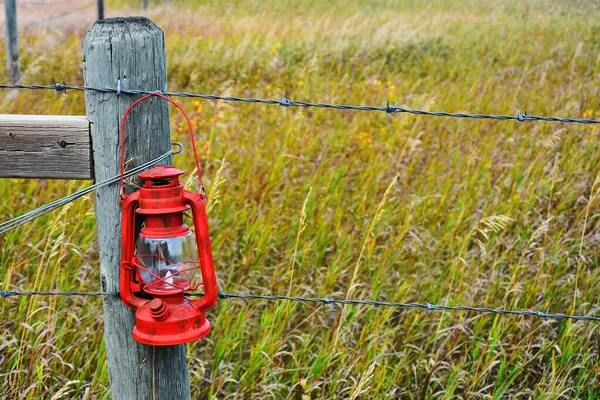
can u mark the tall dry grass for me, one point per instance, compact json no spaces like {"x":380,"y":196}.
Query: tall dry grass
{"x":481,"y":212}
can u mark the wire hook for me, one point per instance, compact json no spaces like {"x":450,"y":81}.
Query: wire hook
{"x":178,"y":151}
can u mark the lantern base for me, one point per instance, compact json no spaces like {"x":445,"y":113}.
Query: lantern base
{"x":182,"y":323}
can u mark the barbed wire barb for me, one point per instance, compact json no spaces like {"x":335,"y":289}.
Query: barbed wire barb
{"x":59,"y":87}
{"x":521,"y":117}
{"x":391,"y":110}
{"x":6,"y":294}
{"x":285,"y":102}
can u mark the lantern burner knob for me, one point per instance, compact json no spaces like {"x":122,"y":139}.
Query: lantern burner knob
{"x":159,"y":309}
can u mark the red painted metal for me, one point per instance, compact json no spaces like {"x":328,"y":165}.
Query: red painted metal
{"x":169,"y":318}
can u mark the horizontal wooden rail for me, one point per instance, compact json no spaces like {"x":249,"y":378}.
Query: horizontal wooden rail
{"x":45,"y":146}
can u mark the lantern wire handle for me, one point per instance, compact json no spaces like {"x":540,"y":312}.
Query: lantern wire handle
{"x":191,"y":130}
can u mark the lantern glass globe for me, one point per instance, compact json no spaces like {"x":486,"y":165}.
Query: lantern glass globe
{"x":172,"y":259}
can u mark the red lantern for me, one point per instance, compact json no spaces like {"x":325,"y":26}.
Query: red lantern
{"x":160,"y":262}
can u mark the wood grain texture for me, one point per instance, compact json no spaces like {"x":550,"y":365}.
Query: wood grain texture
{"x":40,"y":146}
{"x":133,"y":50}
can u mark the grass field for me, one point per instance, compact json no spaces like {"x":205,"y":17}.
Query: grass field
{"x":347,"y":203}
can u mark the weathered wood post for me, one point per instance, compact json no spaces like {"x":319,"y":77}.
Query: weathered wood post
{"x":12,"y":42}
{"x":132,"y":50}
{"x":100,"y":8}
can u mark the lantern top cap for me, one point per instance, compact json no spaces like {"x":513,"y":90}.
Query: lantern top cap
{"x":161,"y":172}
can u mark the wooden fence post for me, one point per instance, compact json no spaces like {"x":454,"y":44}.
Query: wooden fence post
{"x":132,"y":50}
{"x":100,"y":8}
{"x":12,"y":42}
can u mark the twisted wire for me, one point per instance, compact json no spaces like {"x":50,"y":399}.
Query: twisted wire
{"x":285,"y":102}
{"x":45,"y":209}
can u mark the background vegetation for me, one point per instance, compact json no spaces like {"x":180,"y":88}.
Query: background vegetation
{"x":346,"y":203}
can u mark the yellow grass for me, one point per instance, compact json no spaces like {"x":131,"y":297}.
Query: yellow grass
{"x":481,"y":213}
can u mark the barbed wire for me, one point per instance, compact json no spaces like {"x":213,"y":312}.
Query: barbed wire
{"x":425,"y":306}
{"x":286,"y":102}
{"x":332,"y":302}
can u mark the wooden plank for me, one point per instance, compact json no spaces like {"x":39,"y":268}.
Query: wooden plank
{"x":133,"y":50}
{"x":45,"y":146}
